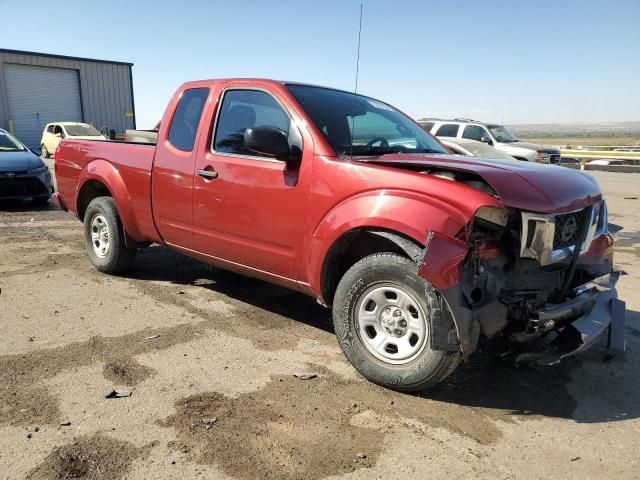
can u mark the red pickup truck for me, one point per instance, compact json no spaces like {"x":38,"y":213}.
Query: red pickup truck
{"x":420,"y":254}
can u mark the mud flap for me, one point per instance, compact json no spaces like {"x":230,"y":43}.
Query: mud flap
{"x":467,"y":328}
{"x":440,"y":265}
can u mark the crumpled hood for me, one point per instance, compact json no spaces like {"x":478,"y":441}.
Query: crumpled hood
{"x":523,"y":185}
{"x":19,"y":161}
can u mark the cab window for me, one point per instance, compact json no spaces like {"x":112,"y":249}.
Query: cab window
{"x":184,"y":125}
{"x":243,"y":109}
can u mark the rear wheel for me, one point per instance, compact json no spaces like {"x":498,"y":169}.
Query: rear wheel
{"x":45,"y":152}
{"x":104,"y":237}
{"x":384,"y":316}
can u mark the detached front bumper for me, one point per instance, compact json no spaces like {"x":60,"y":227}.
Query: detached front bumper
{"x":557,"y":329}
{"x":598,"y":311}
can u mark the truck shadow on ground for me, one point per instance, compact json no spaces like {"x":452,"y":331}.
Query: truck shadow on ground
{"x":161,"y":264}
{"x":587,"y":388}
{"x":600,"y":392}
{"x":25,"y":206}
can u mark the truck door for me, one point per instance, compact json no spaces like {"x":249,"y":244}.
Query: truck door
{"x":172,"y":182}
{"x":250,"y":208}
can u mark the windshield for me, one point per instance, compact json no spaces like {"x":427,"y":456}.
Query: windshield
{"x":358,"y":125}
{"x":80,"y":130}
{"x":502,"y":134}
{"x":9,"y":143}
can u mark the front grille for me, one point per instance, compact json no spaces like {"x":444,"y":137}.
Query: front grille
{"x":568,"y":228}
{"x":21,"y":187}
{"x":554,"y":158}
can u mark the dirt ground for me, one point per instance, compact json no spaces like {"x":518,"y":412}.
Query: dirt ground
{"x":211,"y":357}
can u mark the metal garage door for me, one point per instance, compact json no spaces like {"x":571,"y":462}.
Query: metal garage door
{"x":41,"y":95}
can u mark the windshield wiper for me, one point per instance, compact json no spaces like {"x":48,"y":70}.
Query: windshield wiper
{"x":365,"y":151}
{"x":427,"y":150}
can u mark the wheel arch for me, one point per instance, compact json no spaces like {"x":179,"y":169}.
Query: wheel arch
{"x":355,"y":244}
{"x":89,"y":190}
{"x":101,"y":178}
{"x":397,"y":221}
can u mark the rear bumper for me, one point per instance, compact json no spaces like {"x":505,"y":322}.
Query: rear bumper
{"x":57,"y":201}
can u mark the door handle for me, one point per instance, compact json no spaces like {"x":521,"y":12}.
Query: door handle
{"x":208,"y":174}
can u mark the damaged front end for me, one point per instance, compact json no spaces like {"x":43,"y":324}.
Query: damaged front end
{"x":545,"y":281}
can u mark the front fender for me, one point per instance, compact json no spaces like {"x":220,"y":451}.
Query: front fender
{"x":107,"y":174}
{"x":407,"y":213}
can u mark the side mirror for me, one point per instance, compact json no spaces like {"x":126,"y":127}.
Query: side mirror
{"x":59,"y":135}
{"x":36,"y":150}
{"x":486,"y":139}
{"x":267,"y":141}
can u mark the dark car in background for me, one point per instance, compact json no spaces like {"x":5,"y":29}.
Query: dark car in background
{"x":23,"y":174}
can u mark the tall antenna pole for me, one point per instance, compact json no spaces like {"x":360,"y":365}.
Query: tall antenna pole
{"x":358,"y":54}
{"x":355,"y":90}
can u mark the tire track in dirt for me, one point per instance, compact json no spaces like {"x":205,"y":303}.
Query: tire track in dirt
{"x":93,"y":457}
{"x":292,"y":429}
{"x":24,"y":400}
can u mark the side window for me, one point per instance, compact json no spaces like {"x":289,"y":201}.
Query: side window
{"x":50,"y":129}
{"x":427,"y":125}
{"x":474,"y":132}
{"x":184,"y":125}
{"x":448,"y":130}
{"x":242,"y":109}
{"x":58,"y":130}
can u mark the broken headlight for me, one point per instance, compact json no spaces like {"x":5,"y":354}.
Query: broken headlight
{"x":603,"y":218}
{"x":498,"y":217}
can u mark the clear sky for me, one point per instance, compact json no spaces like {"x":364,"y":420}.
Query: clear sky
{"x":519,"y":61}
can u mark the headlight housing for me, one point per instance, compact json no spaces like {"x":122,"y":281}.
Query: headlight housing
{"x":542,"y":157}
{"x":41,"y":169}
{"x":603,"y":218}
{"x":498,"y":217}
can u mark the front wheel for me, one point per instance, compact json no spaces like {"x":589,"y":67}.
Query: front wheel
{"x":104,"y":237}
{"x":384,"y":316}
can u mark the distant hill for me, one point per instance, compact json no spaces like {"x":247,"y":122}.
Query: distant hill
{"x":578,"y":130}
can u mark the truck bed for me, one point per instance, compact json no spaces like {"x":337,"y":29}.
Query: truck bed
{"x":141,"y":136}
{"x":128,"y":166}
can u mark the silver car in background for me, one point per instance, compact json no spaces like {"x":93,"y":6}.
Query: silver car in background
{"x":473,"y":148}
{"x":497,"y":136}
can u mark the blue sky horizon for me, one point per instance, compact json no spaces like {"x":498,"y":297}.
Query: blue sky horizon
{"x":498,"y":61}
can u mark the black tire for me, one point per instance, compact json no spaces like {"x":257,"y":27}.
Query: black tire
{"x":428,"y":367}
{"x":118,"y":257}
{"x":45,"y":152}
